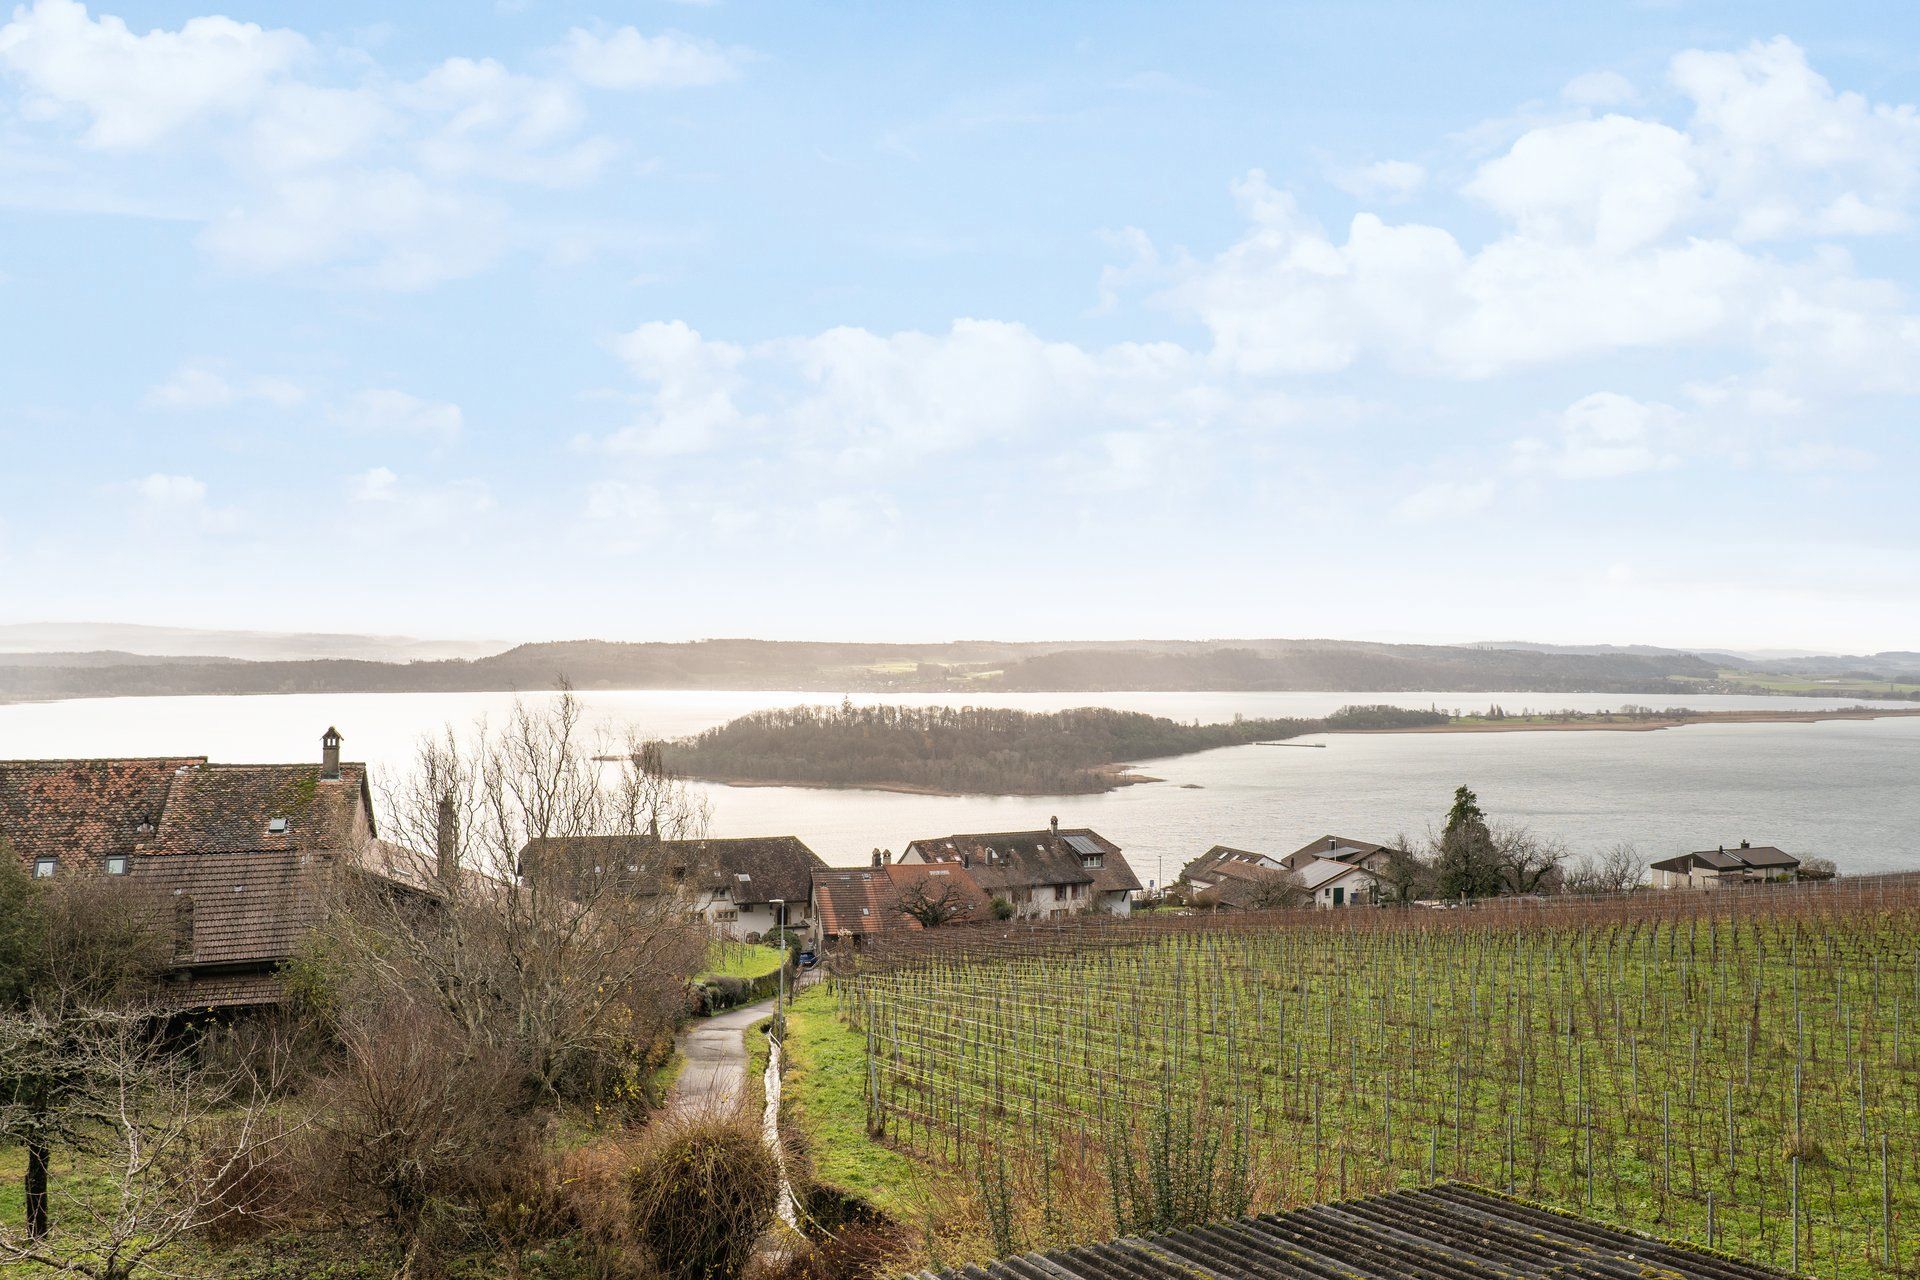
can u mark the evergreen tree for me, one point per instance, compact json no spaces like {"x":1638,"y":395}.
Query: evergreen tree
{"x":1468,"y":866}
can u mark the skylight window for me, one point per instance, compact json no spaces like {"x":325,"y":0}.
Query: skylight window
{"x":43,"y":868}
{"x":117,"y":864}
{"x":276,"y":826}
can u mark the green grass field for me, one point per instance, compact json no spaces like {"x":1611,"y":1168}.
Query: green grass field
{"x":742,"y":960}
{"x":1748,"y":1079}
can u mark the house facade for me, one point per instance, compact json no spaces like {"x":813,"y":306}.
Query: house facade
{"x":854,"y":905}
{"x":1225,"y":878}
{"x":738,"y":886}
{"x":1041,"y":874}
{"x":1336,"y":883}
{"x":231,"y":857}
{"x":1724,"y":867}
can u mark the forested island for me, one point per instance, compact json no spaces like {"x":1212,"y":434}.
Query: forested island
{"x":978,"y":750}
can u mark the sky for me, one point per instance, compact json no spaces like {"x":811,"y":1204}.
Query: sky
{"x":1579,"y":323}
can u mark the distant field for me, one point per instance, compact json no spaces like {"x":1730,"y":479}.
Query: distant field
{"x":1749,"y":1076}
{"x":1809,"y":685}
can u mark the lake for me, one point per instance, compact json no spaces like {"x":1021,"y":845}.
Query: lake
{"x":1848,"y":790}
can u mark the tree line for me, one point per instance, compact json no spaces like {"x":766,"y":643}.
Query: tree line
{"x":978,"y":750}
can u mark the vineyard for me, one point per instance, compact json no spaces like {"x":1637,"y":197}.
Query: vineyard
{"x":1738,"y":1073}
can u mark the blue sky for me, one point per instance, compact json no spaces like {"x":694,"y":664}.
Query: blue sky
{"x":1575,"y":322}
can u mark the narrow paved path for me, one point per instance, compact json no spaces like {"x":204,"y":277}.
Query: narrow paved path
{"x":714,"y":1079}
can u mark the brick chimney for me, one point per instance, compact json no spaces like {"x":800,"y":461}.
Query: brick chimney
{"x":446,"y":843}
{"x":330,"y":753}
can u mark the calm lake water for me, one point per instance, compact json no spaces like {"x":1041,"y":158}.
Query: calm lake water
{"x":1849,"y":790}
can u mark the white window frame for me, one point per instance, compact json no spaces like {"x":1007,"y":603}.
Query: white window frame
{"x":44,"y":867}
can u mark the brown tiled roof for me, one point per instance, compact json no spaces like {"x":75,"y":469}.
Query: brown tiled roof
{"x":230,"y":808}
{"x":244,"y":907}
{"x":225,"y":990}
{"x":902,"y":877}
{"x":84,"y":809}
{"x":773,"y":866}
{"x":1024,"y":859}
{"x":852,"y":900}
{"x":1738,"y":858}
{"x":235,"y":893}
{"x":1222,"y":860}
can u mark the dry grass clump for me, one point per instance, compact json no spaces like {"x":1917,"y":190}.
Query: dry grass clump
{"x":701,"y":1191}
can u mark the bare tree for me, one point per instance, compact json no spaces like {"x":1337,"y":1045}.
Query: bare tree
{"x":1618,"y":870}
{"x":1403,"y":875}
{"x":1276,"y":891}
{"x":934,"y":906}
{"x":76,"y":948}
{"x":1526,"y":861}
{"x":540,"y":924}
{"x":172,"y":1141}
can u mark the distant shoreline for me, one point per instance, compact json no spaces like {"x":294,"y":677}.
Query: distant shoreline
{"x":1114,"y":776}
{"x":1605,"y":722}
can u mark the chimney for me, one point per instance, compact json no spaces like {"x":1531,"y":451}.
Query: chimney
{"x":1055,"y":824}
{"x":966,"y":859}
{"x":446,"y":843}
{"x":1746,"y":844}
{"x":886,"y":857}
{"x":876,"y":857}
{"x":330,"y":754}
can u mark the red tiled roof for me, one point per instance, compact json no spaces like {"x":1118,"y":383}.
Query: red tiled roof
{"x":852,"y":901}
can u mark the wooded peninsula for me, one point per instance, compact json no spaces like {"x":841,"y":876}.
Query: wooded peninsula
{"x":978,"y":750}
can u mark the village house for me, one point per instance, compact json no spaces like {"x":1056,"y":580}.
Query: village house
{"x":737,"y":886}
{"x":1039,"y":874}
{"x":1716,"y":868}
{"x":852,"y":906}
{"x":1333,"y":871}
{"x":233,"y":855}
{"x":1230,"y":879}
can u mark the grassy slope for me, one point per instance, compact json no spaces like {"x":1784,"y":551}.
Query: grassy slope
{"x":824,"y":1096}
{"x":741,"y":960}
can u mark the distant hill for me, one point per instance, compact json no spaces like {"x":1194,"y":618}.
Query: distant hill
{"x":139,"y":642}
{"x":957,"y":667}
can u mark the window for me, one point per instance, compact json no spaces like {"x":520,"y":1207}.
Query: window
{"x":43,"y":868}
{"x":117,"y":864}
{"x":726,"y":914}
{"x":276,"y":826}
{"x":1093,"y":861}
{"x":1061,"y":892}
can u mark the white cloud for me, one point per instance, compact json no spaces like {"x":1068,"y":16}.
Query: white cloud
{"x":389,"y":412}
{"x":690,"y":406}
{"x":627,"y":59}
{"x":1390,"y":180}
{"x":1604,"y":435}
{"x":387,"y":503}
{"x":135,"y":90}
{"x":167,"y":503}
{"x":1616,"y":182}
{"x":376,"y":485}
{"x":1446,"y":499}
{"x":1790,"y":155}
{"x":195,"y":386}
{"x":1599,"y":89}
{"x":316,"y":163}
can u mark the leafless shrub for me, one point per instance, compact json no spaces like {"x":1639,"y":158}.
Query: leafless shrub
{"x":416,"y":1123}
{"x":175,"y":1141}
{"x":703,"y":1189}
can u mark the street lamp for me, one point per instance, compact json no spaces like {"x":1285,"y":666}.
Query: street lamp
{"x":780,"y":905}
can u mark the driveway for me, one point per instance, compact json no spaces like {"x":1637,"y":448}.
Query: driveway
{"x":714,"y":1078}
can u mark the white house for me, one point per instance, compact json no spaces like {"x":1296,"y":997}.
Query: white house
{"x":1714,"y":868}
{"x":1053,"y":872}
{"x":1336,"y":883}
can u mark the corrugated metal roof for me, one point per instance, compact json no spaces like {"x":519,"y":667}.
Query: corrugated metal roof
{"x":1451,"y":1231}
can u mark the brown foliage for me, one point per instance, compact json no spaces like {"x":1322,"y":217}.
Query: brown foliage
{"x":702,"y":1190}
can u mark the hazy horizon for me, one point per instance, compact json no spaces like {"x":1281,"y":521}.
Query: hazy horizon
{"x":1375,"y":321}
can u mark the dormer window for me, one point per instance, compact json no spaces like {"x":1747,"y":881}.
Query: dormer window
{"x":43,"y":868}
{"x":276,"y":826}
{"x":1093,"y":861}
{"x":117,"y":864}
{"x":144,"y":829}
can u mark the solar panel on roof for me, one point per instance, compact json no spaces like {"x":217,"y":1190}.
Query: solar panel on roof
{"x":1083,"y":844}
